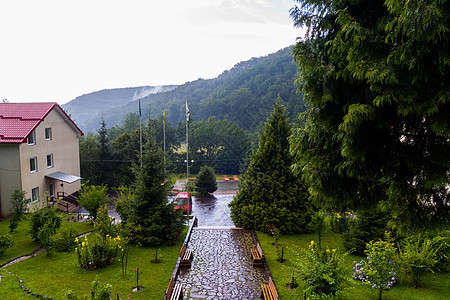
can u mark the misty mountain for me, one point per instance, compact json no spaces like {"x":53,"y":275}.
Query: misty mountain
{"x":88,"y":109}
{"x":244,"y":94}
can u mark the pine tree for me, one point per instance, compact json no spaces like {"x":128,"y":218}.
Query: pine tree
{"x":152,"y":220}
{"x":270,"y":194}
{"x":206,"y":181}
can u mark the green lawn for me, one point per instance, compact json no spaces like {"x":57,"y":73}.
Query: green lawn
{"x":434,"y":286}
{"x":53,"y":275}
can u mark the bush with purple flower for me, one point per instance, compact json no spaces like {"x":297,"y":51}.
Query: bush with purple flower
{"x":378,"y":270}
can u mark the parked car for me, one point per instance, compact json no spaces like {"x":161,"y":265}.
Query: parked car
{"x":183,"y":200}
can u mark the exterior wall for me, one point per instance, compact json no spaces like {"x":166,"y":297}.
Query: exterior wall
{"x":65,"y":149}
{"x":9,"y":175}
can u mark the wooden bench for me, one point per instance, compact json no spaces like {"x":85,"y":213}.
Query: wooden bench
{"x":235,"y":178}
{"x":257,"y":255}
{"x":226,"y":178}
{"x":185,"y":256}
{"x":269,"y":291}
{"x":173,"y":291}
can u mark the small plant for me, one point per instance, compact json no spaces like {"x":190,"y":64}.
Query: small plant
{"x":96,"y":294}
{"x":124,"y":249}
{"x":156,"y":260}
{"x":137,"y":288}
{"x":47,"y":215}
{"x":318,"y":226}
{"x":5,"y":242}
{"x":275,"y":232}
{"x":280,"y":254}
{"x":419,"y":255}
{"x":323,"y":271}
{"x":378,"y":270}
{"x":340,"y":222}
{"x":104,"y":224}
{"x":293,"y":284}
{"x":64,"y":241}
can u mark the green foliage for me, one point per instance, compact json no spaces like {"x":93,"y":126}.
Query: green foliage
{"x":18,"y":207}
{"x":64,"y":240}
{"x":376,"y":76}
{"x":369,"y":225}
{"x":323,"y":271}
{"x":206,"y":181}
{"x":319,"y":226}
{"x":419,"y":255}
{"x":124,"y":203}
{"x":270,"y":193}
{"x":379,"y":270}
{"x":5,"y":242}
{"x":97,"y":252}
{"x":152,"y":220}
{"x":103,"y":293}
{"x":222,"y":143}
{"x":43,"y":224}
{"x":341,"y":222}
{"x":92,"y":197}
{"x":104,"y":224}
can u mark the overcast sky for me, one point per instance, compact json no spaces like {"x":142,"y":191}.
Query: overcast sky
{"x":56,"y":50}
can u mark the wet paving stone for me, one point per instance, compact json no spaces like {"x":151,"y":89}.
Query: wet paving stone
{"x":222,"y":267}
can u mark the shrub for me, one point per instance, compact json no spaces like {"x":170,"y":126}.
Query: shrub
{"x":206,"y":181}
{"x":104,"y":224}
{"x":419,"y":255}
{"x":47,"y":215}
{"x":17,"y":209}
{"x":378,"y":270}
{"x":369,"y":226}
{"x":97,"y":253}
{"x":5,"y":242}
{"x":323,"y":271}
{"x":64,"y":241}
{"x":92,"y":197}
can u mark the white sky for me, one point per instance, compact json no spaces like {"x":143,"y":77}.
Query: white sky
{"x":56,"y":50}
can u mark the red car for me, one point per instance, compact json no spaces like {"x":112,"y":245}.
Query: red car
{"x":183,"y":200}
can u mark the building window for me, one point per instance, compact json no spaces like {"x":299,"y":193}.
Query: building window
{"x":50,"y":161}
{"x":48,"y":134}
{"x":35,"y":194}
{"x":33,"y":164}
{"x":32,"y":139}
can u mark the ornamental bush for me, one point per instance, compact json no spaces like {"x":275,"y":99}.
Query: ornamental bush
{"x":97,"y":253}
{"x":419,"y":254}
{"x":5,"y":242}
{"x":97,"y":293}
{"x":378,"y":270}
{"x":46,"y":218}
{"x":206,"y":181}
{"x":323,"y":271}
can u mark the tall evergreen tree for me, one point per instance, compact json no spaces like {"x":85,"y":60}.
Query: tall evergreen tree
{"x":206,"y":181}
{"x":153,"y":220}
{"x":270,"y":194}
{"x":105,"y":175}
{"x":377,"y":78}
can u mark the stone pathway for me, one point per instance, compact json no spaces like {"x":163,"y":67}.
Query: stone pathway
{"x":222,"y":267}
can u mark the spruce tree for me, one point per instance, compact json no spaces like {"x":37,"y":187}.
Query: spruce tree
{"x":153,"y":220}
{"x":270,"y":194}
{"x":206,"y":181}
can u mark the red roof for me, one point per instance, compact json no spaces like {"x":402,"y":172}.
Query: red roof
{"x":18,"y":120}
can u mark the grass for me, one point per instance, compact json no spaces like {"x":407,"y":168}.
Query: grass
{"x":434,"y":286}
{"x":23,"y":244}
{"x":53,"y":275}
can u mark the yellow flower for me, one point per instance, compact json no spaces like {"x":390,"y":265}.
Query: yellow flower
{"x":82,"y":244}
{"x":328,"y":250}
{"x":76,"y":240}
{"x":334,"y":250}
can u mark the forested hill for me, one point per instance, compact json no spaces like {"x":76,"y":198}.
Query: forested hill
{"x":245,"y":94}
{"x":87,"y":110}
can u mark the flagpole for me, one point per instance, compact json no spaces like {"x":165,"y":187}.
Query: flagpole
{"x":164,"y":133}
{"x":187,"y":147}
{"x":140,"y":129}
